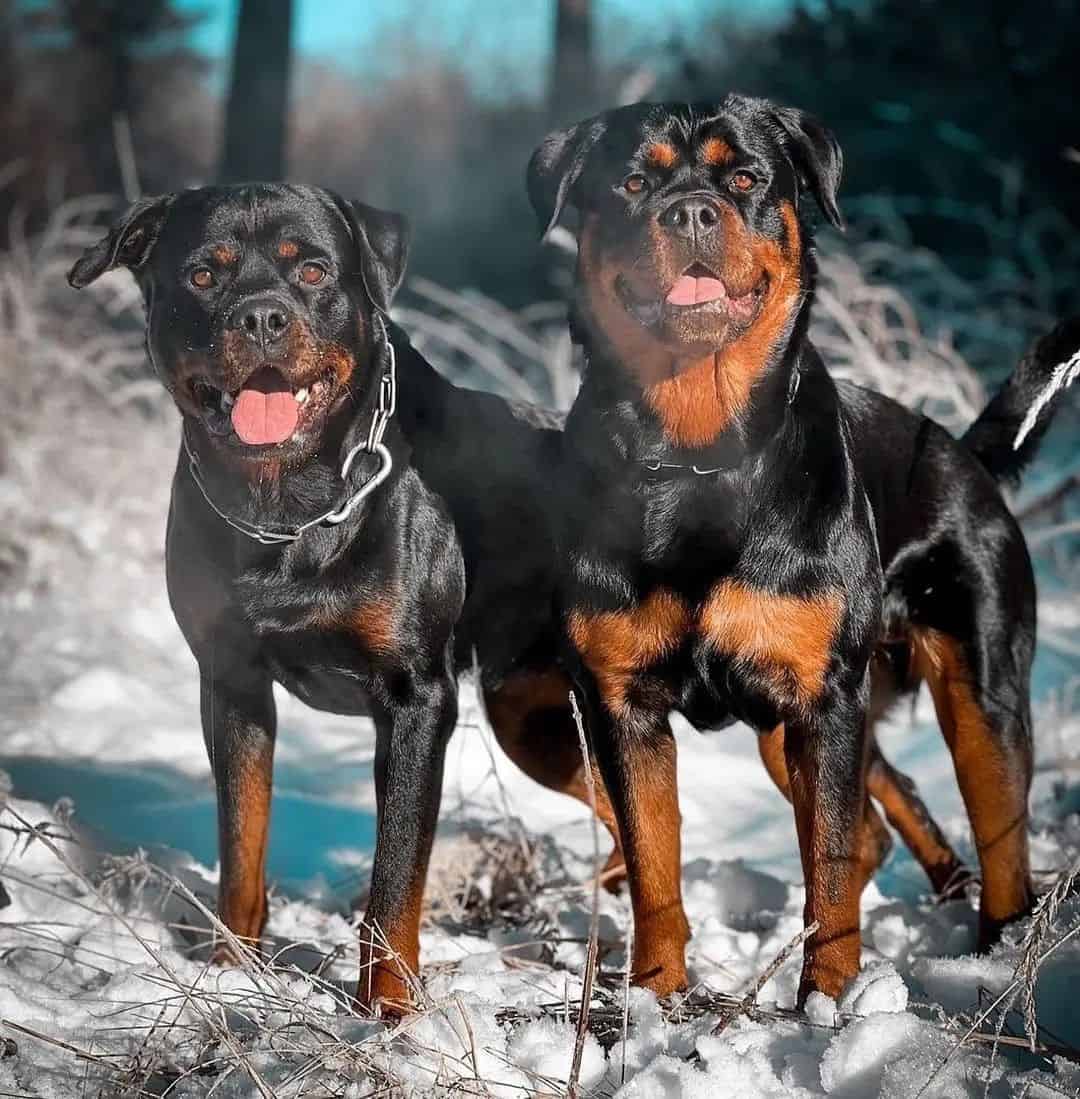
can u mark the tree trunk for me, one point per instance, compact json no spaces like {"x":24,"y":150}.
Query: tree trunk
{"x":257,"y":107}
{"x":571,"y":91}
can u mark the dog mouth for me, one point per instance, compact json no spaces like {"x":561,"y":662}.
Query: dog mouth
{"x":699,"y":286}
{"x":266,"y":411}
{"x":698,"y":297}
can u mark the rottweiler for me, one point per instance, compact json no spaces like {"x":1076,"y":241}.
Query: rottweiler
{"x":324,"y":474}
{"x":749,"y":539}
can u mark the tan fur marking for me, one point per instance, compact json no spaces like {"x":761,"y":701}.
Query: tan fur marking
{"x":288,"y":249}
{"x":996,"y":798}
{"x":390,"y":957}
{"x":654,"y":862}
{"x":225,"y":254}
{"x":662,"y":155}
{"x":375,"y":622}
{"x":717,"y":151}
{"x":788,"y":636}
{"x":617,"y":644}
{"x":242,"y":903}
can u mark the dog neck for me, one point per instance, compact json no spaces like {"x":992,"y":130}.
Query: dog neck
{"x":709,"y":410}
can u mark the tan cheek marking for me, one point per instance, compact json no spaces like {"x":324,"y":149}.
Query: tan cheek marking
{"x":662,"y":155}
{"x":717,"y":151}
{"x":617,"y":644}
{"x":225,"y":255}
{"x":789,"y":637}
{"x":340,"y":360}
{"x":288,"y":249}
{"x":701,"y":401}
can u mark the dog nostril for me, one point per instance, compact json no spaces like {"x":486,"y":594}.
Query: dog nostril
{"x":707,"y":216}
{"x":251,"y":322}
{"x":276,"y":322}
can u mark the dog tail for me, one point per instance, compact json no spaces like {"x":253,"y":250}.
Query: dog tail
{"x":1007,"y":434}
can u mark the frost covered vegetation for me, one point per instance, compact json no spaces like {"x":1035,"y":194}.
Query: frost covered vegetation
{"x":104,"y":984}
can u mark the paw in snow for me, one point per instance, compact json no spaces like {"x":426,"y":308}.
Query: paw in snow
{"x":877,"y":988}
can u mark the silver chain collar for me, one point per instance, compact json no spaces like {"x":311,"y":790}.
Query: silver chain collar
{"x":373,"y":444}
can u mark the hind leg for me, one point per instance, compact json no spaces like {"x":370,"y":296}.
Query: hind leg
{"x":534,"y":725}
{"x":988,"y":730}
{"x":908,"y":814}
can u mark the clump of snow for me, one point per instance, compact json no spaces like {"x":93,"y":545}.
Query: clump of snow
{"x":877,"y":989}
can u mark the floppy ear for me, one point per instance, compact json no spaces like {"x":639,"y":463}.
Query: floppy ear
{"x":556,"y":166}
{"x":127,"y":244}
{"x":817,"y":157}
{"x":383,"y":240}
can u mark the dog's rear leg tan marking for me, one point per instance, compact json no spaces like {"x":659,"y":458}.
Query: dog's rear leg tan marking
{"x":530,"y":714}
{"x":908,"y":814}
{"x":993,"y":768}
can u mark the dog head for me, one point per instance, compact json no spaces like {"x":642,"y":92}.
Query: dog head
{"x":261,"y":303}
{"x":692,"y":237}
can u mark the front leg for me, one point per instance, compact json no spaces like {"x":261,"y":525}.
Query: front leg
{"x":239,"y":724}
{"x":414,"y":717}
{"x":636,"y":754}
{"x":826,"y":760}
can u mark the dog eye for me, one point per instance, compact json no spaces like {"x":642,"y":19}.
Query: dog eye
{"x":203,"y":278}
{"x":635,"y":184}
{"x":312,"y":273}
{"x":743,"y":181}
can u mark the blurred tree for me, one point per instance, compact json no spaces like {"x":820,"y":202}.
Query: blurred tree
{"x":257,"y":108}
{"x":572,"y":63}
{"x":108,"y":39}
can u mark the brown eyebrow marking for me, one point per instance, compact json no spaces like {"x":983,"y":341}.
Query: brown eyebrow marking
{"x":225,"y":254}
{"x":288,"y":249}
{"x":717,"y":151}
{"x":661,"y":154}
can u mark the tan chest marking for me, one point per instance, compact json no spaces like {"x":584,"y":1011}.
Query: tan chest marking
{"x":615,"y":645}
{"x":788,"y":637}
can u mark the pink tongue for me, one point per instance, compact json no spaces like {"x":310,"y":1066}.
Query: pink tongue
{"x":265,"y":410}
{"x":691,"y":290}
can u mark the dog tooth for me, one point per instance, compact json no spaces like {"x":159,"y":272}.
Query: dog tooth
{"x":227,"y":400}
{"x":301,"y":395}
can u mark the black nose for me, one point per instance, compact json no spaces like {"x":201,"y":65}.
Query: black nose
{"x":263,"y":320}
{"x":691,"y":216}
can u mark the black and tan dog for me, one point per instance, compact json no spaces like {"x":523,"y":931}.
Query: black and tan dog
{"x":309,"y":539}
{"x":347,"y":523}
{"x":752,"y":540}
